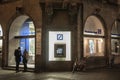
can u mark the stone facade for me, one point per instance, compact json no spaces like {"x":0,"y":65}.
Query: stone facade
{"x":58,"y":15}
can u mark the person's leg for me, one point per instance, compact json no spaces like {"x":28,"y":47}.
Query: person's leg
{"x":25,"y":66}
{"x":17,"y":66}
{"x":111,"y":63}
{"x":74,"y":67}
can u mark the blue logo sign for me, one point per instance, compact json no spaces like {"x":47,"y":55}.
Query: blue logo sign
{"x":59,"y":36}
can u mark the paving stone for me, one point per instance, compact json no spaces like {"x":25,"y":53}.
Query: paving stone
{"x":93,"y":74}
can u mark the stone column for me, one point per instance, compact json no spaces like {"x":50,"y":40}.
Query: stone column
{"x":38,"y":56}
{"x":80,"y":32}
{"x":108,"y":45}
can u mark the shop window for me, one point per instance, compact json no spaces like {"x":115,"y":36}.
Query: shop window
{"x":93,"y":26}
{"x":27,"y":29}
{"x":94,"y":44}
{"x":115,"y":35}
{"x":22,"y":34}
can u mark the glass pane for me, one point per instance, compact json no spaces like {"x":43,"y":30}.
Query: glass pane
{"x":27,"y":29}
{"x":93,"y":46}
{"x":93,"y":26}
{"x":115,"y":45}
{"x":31,"y":50}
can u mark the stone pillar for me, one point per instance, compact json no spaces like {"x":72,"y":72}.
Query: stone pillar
{"x":5,"y":49}
{"x":108,"y":45}
{"x":80,"y":32}
{"x":38,"y":57}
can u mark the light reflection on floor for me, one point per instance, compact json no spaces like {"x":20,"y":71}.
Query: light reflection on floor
{"x":28,"y":65}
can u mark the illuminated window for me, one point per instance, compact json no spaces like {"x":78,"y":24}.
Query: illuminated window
{"x":93,"y":46}
{"x":59,"y":46}
{"x":27,"y":29}
{"x":115,"y":38}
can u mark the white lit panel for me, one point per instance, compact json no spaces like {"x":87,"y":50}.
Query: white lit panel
{"x":61,"y":39}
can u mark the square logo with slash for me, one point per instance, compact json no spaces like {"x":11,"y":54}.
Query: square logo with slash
{"x":59,"y":36}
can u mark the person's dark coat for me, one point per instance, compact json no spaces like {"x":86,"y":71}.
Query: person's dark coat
{"x":17,"y":55}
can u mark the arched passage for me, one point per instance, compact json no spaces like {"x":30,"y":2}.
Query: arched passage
{"x":22,"y":33}
{"x":115,"y":40}
{"x":94,"y":42}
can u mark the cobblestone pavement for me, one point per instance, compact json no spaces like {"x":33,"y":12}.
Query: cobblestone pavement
{"x":96,"y":74}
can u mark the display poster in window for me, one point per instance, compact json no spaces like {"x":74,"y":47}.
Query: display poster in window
{"x":91,"y":46}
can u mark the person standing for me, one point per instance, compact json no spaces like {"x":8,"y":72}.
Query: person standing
{"x":25,"y":59}
{"x":17,"y":55}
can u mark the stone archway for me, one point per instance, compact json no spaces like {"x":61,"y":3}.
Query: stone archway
{"x":22,"y":33}
{"x":94,"y":42}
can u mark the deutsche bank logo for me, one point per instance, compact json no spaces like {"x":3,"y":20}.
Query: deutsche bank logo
{"x":59,"y":36}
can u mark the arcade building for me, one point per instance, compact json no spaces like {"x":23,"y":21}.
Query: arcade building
{"x":56,"y":32}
